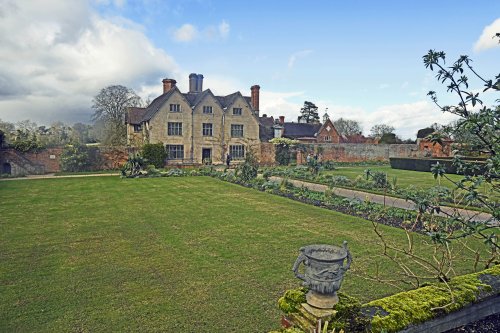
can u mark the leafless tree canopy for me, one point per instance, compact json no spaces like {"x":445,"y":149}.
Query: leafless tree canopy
{"x":347,"y":126}
{"x":110,"y":106}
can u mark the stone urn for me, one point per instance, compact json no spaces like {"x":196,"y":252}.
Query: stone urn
{"x":324,"y":269}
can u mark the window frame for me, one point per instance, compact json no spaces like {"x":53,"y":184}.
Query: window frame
{"x":207,"y":109}
{"x":233,"y":131}
{"x":209,"y":129}
{"x":175,"y":108}
{"x":177,"y":149}
{"x":137,"y":128}
{"x":237,"y":152}
{"x":237,"y":111}
{"x":174,"y":131}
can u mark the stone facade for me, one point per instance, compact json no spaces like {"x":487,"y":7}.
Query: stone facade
{"x":197,"y":127}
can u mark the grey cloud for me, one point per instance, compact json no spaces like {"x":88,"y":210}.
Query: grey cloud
{"x":62,"y":54}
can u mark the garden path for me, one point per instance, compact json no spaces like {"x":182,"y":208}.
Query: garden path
{"x":385,"y":200}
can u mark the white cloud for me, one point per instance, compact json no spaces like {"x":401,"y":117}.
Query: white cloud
{"x":407,"y":119}
{"x":297,"y":55}
{"x":486,"y":40}
{"x":224,"y":29}
{"x":186,"y":33}
{"x":384,"y":86}
{"x":278,"y":104}
{"x":56,"y":62}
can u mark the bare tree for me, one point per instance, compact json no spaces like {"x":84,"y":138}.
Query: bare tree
{"x":110,"y":106}
{"x":377,"y":131}
{"x":347,"y":126}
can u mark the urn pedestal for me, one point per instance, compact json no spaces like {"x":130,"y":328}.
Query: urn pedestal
{"x":324,"y":270}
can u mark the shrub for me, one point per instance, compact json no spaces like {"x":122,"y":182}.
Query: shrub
{"x":328,"y":165}
{"x":155,"y":154}
{"x":176,"y":173}
{"x":340,"y":181}
{"x":75,"y":158}
{"x":249,"y":169}
{"x":133,"y":167}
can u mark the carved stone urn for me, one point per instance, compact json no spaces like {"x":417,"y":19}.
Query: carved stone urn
{"x":324,"y":270}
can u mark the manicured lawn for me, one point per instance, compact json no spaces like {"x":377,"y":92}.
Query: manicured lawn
{"x":405,"y":178}
{"x":190,"y":254}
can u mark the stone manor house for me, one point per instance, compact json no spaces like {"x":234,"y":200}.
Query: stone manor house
{"x":197,"y":126}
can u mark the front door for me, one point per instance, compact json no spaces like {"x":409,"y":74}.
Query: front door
{"x":206,"y":155}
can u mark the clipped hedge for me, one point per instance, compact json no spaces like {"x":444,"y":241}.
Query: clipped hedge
{"x":424,"y":164}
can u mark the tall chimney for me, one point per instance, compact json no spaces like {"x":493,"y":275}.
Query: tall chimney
{"x":193,"y":78}
{"x":168,"y":84}
{"x":282,"y":120}
{"x":255,"y":98}
{"x":199,"y":83}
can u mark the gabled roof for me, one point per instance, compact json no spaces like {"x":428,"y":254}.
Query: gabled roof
{"x":139,"y":115}
{"x":300,"y":130}
{"x":195,"y":99}
{"x":134,"y":115}
{"x":329,"y":122}
{"x":157,"y":103}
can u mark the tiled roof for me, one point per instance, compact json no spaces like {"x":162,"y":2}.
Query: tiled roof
{"x":356,"y":138}
{"x":192,"y":98}
{"x":157,"y":103}
{"x":134,"y":115}
{"x":300,"y":130}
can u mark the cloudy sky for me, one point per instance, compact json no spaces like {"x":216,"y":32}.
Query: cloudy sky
{"x":360,"y":59}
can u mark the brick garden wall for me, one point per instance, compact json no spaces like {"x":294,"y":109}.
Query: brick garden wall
{"x":267,"y":154}
{"x":48,"y":160}
{"x":358,"y":152}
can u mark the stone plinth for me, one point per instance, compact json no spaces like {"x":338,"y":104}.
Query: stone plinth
{"x":308,"y":317}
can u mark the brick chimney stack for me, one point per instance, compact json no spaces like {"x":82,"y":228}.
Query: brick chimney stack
{"x":255,"y":98}
{"x":282,"y":120}
{"x":168,"y":84}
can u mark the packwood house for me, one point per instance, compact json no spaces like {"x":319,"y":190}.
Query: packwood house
{"x":198,"y":127}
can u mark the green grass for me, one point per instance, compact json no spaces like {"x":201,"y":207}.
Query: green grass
{"x":405,"y":178}
{"x":190,"y":254}
{"x":68,"y":173}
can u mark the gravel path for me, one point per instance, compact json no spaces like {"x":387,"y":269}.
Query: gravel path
{"x":384,"y":200}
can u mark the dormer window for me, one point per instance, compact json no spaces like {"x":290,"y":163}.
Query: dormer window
{"x":175,"y":108}
{"x":207,"y":109}
{"x":236,"y":111}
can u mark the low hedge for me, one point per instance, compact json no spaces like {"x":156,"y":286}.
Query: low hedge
{"x":425,"y":164}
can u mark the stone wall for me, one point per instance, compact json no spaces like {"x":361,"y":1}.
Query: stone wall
{"x":359,"y":152}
